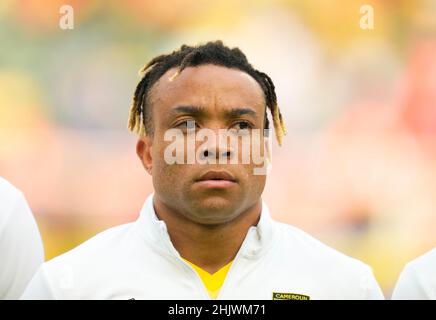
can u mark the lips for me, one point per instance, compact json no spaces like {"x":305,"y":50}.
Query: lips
{"x":216,"y":180}
{"x":217,"y":175}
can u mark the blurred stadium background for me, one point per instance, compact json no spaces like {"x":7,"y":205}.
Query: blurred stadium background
{"x":357,"y":169}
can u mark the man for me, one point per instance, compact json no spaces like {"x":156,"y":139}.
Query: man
{"x":418,"y":279}
{"x":21,"y":250}
{"x":205,"y":232}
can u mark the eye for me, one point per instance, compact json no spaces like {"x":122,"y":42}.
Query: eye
{"x":243,"y":125}
{"x":185,"y":124}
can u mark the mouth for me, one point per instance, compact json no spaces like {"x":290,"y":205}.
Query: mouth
{"x":216,"y":180}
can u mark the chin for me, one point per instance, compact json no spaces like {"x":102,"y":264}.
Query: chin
{"x":214,"y":210}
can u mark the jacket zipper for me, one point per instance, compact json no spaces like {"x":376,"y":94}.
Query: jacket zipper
{"x":234,"y":264}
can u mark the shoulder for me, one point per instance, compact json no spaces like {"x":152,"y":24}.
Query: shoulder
{"x":313,"y":249}
{"x":20,"y":243}
{"x":16,"y":218}
{"x":7,"y":188}
{"x":84,"y":270}
{"x":105,"y":244}
{"x":9,"y":197}
{"x":88,"y":265}
{"x":324,"y":266}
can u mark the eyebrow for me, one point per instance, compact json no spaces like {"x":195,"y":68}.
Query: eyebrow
{"x":237,"y":112}
{"x":201,"y":111}
{"x":191,"y":110}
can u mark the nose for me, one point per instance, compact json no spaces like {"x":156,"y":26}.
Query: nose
{"x":208,"y":152}
{"x":220,"y":149}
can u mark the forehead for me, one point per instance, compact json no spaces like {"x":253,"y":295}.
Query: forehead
{"x":207,"y":86}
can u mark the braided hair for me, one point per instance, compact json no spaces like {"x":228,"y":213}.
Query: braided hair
{"x":190,"y":56}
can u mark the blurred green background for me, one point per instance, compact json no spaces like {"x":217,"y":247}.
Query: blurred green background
{"x":358,"y":166}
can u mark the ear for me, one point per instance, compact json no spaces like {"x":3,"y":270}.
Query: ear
{"x":144,"y":152}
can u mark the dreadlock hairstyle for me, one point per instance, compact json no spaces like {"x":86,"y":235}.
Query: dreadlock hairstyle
{"x":187,"y":56}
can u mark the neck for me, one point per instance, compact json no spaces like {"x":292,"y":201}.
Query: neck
{"x":208,"y":246}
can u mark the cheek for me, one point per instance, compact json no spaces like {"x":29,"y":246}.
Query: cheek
{"x":253,"y":146}
{"x":161,"y":167}
{"x":163,"y":172}
{"x":250,"y":182}
{"x":256,"y":185}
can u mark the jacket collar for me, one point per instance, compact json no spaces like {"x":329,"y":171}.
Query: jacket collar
{"x":257,"y":241}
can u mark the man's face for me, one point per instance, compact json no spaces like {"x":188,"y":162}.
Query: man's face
{"x":215,"y":97}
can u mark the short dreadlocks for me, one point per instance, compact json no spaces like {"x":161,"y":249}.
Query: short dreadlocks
{"x":187,"y":56}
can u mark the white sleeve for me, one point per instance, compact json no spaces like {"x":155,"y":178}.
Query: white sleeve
{"x":409,"y":287}
{"x":39,"y":287}
{"x":21,"y":249}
